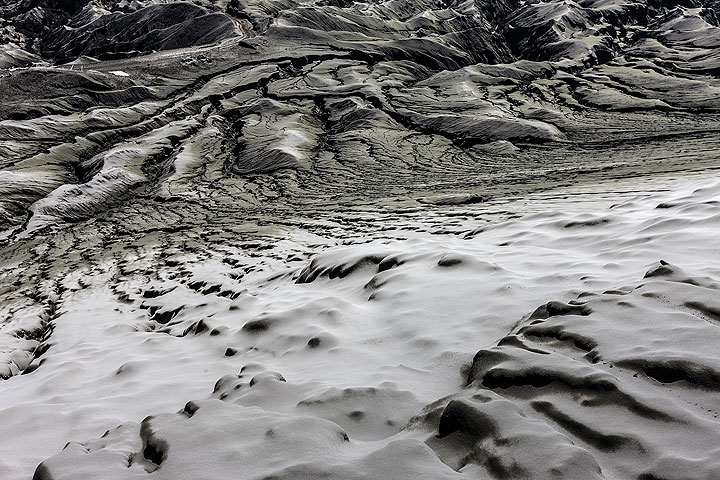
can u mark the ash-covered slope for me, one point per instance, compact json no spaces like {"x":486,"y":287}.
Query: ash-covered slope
{"x":309,"y":101}
{"x":64,"y":30}
{"x":154,"y":154}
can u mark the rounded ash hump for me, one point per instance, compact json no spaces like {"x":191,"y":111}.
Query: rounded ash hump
{"x":156,"y":27}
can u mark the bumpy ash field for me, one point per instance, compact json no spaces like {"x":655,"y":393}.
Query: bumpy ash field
{"x":286,"y":239}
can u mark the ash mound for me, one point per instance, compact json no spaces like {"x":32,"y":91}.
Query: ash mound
{"x":155,"y":27}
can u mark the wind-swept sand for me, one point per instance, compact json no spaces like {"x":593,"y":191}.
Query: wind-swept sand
{"x":574,"y":339}
{"x":307,"y":239}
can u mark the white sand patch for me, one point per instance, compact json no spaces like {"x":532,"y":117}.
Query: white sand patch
{"x":342,"y":367}
{"x":292,"y":143}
